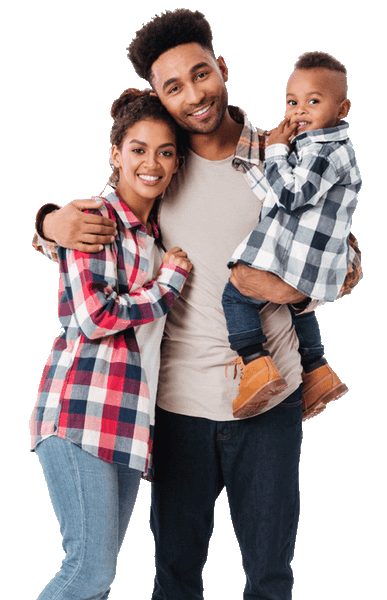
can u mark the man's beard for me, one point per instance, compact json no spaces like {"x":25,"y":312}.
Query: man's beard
{"x":220,"y":102}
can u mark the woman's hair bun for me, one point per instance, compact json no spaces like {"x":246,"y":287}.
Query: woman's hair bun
{"x":127,"y":97}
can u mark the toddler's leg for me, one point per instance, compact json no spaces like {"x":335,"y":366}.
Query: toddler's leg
{"x":308,"y":333}
{"x":243,"y":321}
{"x":320,"y":383}
{"x":260,"y":377}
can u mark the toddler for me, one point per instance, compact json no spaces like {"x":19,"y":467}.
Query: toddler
{"x":303,"y":233}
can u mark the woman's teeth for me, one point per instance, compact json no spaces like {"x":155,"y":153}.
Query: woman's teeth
{"x":149,"y":178}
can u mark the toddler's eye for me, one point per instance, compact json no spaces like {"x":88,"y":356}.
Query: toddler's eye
{"x":314,"y":101}
{"x":292,"y":103}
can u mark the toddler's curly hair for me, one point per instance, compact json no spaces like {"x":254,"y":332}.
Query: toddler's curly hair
{"x":319,"y":60}
{"x":170,"y":29}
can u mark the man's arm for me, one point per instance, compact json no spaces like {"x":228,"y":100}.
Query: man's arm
{"x":266,"y":286}
{"x":263,"y":285}
{"x":72,"y":228}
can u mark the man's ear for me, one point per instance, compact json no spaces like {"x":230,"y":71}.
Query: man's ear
{"x":223,"y":67}
{"x":344,"y":108}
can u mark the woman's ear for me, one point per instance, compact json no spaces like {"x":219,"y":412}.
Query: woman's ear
{"x":115,"y":156}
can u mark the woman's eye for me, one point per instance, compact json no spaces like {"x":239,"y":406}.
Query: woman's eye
{"x":138,"y":150}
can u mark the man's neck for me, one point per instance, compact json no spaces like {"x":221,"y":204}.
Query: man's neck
{"x":221,"y":143}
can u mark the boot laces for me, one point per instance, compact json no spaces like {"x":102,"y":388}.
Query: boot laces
{"x":236,"y":362}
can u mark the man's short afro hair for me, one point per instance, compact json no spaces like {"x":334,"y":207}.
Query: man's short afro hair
{"x":319,"y":60}
{"x":170,"y":29}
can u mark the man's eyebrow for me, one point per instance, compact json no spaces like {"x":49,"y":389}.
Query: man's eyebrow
{"x":192,"y":70}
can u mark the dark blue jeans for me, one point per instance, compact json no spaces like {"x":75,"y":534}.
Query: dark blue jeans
{"x":245,"y":328}
{"x":257,"y":461}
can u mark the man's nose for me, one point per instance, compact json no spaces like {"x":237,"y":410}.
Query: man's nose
{"x":194,"y":95}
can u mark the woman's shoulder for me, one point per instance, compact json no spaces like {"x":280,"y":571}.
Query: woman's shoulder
{"x":106,"y":210}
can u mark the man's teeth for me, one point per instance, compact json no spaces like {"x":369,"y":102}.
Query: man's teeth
{"x":201,"y":112}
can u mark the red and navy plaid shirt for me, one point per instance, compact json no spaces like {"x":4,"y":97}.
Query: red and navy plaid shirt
{"x":94,"y":391}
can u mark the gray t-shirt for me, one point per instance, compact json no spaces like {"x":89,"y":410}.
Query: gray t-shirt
{"x":207,"y":210}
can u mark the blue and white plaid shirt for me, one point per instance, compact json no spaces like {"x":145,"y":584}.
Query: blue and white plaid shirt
{"x":305,"y":221}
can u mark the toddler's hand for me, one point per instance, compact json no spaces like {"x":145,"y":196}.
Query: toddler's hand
{"x":177,"y":257}
{"x":282,"y":134}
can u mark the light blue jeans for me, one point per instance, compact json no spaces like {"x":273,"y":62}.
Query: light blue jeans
{"x":93,"y":501}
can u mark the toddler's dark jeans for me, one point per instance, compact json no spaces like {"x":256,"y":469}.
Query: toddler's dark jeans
{"x":245,"y":329}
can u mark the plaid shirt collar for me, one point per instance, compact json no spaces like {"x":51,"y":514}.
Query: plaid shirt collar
{"x":250,"y":147}
{"x":331,"y":134}
{"x":127,"y":217}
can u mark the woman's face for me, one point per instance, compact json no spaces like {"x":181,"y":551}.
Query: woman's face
{"x":146,"y":161}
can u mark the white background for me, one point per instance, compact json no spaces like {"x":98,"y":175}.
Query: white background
{"x":63,"y":65}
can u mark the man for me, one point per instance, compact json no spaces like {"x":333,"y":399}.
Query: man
{"x":199,"y":447}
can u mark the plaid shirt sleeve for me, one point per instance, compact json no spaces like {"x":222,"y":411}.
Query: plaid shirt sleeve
{"x":298,"y":188}
{"x":90,"y":282}
{"x":48,"y":248}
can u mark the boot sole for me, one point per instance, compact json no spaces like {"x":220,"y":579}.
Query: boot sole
{"x":258,"y":401}
{"x":321,"y":404}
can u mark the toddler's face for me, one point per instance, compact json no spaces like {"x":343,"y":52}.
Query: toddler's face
{"x":316,"y":99}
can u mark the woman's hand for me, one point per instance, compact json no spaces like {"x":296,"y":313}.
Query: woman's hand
{"x":177,"y":257}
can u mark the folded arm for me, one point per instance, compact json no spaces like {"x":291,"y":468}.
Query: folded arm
{"x":298,"y":188}
{"x":91,"y":293}
{"x":263,"y":285}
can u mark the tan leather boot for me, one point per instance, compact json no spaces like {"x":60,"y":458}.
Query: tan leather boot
{"x":318,"y":388}
{"x":260,"y":380}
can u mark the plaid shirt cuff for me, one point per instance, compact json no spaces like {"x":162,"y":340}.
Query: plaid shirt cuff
{"x":39,"y":242}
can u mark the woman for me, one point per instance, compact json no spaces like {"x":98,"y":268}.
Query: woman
{"x":93,"y":421}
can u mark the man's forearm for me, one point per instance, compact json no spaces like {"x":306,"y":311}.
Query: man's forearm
{"x":46,"y":226}
{"x":264,"y":286}
{"x":76,"y":226}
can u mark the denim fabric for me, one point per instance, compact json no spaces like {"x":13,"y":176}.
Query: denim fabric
{"x":308,"y":333}
{"x":245,"y":329}
{"x":257,"y":461}
{"x":242,"y":318}
{"x":93,"y":501}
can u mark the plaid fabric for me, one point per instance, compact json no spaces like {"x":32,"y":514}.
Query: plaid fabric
{"x":93,"y":390}
{"x":305,"y":222}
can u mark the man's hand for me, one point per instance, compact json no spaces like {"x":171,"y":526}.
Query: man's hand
{"x":71,"y":228}
{"x":282,"y":134}
{"x":263,"y":285}
{"x":176,"y":256}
